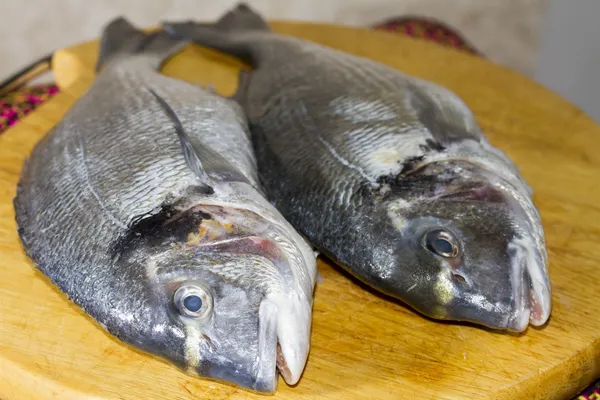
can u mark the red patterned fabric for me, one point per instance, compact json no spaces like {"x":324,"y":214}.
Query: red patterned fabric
{"x":19,"y":103}
{"x":428,"y":30}
{"x":591,"y":393}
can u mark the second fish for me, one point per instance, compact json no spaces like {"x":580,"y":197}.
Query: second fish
{"x":389,"y":175}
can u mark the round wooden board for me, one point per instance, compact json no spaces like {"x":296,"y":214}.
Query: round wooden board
{"x":363,"y":347}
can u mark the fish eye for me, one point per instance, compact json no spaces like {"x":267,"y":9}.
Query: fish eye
{"x":442,"y":243}
{"x":193,"y":301}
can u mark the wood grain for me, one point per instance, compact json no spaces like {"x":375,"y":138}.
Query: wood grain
{"x":363,"y":346}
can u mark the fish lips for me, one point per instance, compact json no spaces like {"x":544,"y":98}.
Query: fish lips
{"x":531,"y":288}
{"x":284,"y":354}
{"x":283,"y":347}
{"x":284,"y":340}
{"x":266,"y":364}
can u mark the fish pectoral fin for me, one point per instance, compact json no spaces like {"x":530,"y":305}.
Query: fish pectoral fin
{"x":204,"y":162}
{"x":216,"y":165}
{"x":190,"y":154}
{"x":443,"y":112}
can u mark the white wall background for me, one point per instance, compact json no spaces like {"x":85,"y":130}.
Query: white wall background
{"x":505,"y":30}
{"x":569,"y":58}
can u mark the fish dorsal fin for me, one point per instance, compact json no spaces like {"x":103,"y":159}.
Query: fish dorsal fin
{"x":202,"y":160}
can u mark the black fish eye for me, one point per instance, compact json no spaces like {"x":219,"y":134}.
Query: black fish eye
{"x":194,"y":301}
{"x":442,"y":246}
{"x":442,"y":243}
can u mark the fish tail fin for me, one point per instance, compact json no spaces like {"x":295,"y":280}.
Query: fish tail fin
{"x":120,"y":38}
{"x":227,"y":34}
{"x":242,"y":18}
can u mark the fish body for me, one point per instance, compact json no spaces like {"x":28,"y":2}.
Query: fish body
{"x":388,"y":175}
{"x":143,"y":206}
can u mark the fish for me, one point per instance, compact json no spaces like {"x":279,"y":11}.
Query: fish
{"x":143,"y":205}
{"x":388,"y":175}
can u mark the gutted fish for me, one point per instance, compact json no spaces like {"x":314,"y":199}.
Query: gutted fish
{"x":143,"y":206}
{"x":388,"y":175}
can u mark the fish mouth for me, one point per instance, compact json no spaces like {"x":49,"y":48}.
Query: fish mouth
{"x":284,"y":314}
{"x":284,"y":318}
{"x":531,"y":288}
{"x":284,"y":329}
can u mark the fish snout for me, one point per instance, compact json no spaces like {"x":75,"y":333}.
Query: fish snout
{"x":531,"y":287}
{"x":507,"y":296}
{"x":275,"y":341}
{"x":284,"y":335}
{"x":293,"y":320}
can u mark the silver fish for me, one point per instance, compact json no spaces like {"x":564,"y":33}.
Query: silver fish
{"x":143,"y":206}
{"x":389,"y":175}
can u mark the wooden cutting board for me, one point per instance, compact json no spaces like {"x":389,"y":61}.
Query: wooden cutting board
{"x":363,"y":347}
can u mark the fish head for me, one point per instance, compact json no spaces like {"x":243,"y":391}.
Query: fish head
{"x":223,"y":280}
{"x":471,"y":250}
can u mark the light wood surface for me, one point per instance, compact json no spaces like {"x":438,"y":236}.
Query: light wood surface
{"x":363,"y":347}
